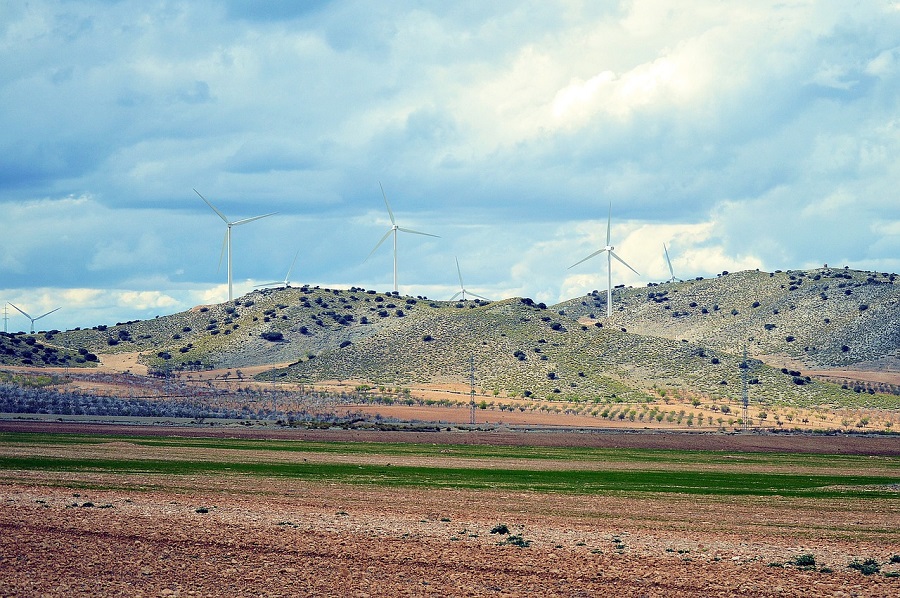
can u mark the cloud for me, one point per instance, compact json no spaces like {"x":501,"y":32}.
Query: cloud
{"x":745,"y":135}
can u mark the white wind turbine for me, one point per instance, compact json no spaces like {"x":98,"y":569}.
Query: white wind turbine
{"x":227,"y":242}
{"x":609,"y":255}
{"x":462,"y":288}
{"x":33,"y":320}
{"x":393,"y":230}
{"x":669,"y":262}
{"x":287,"y":282}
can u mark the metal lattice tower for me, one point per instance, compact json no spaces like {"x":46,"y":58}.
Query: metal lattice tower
{"x":472,"y":389}
{"x":745,"y":394}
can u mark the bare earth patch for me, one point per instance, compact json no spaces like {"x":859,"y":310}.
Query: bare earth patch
{"x":83,"y":533}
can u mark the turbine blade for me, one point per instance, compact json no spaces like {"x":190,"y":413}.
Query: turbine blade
{"x":214,"y":209}
{"x":390,"y":213}
{"x":222,"y":253}
{"x":613,"y":253}
{"x":477,"y":295}
{"x":456,"y":295}
{"x":377,"y":245}
{"x":292,"y":267}
{"x":48,"y":313}
{"x":246,"y":220}
{"x":596,"y":253}
{"x":21,"y":312}
{"x":267,"y":284}
{"x":459,"y":273}
{"x":416,"y":232}
{"x":668,"y":261}
{"x":608,"y":223}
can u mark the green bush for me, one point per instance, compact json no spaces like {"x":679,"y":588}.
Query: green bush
{"x":867,"y":567}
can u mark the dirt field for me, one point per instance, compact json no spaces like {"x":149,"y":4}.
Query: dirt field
{"x":89,"y":533}
{"x":449,"y":401}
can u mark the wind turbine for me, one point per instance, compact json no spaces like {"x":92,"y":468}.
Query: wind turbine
{"x":462,"y":288}
{"x":287,"y":282}
{"x":609,"y":255}
{"x":393,"y":230}
{"x":227,"y":241}
{"x":33,"y":320}
{"x":669,"y":262}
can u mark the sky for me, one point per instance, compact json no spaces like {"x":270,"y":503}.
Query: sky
{"x":741,"y":134}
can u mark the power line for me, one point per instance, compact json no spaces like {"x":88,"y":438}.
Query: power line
{"x":472,"y":390}
{"x":745,"y":394}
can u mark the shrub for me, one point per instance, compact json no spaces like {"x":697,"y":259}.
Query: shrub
{"x":804,"y":561}
{"x":516,"y":540}
{"x":867,"y":567}
{"x":500,"y":528}
{"x":272,"y":336}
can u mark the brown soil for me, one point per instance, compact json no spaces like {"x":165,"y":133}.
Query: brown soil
{"x":875,"y":446}
{"x":142,"y":535}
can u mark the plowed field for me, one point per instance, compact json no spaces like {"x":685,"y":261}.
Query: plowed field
{"x":119,"y":511}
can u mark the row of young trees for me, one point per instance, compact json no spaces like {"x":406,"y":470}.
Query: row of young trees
{"x":241,"y":404}
{"x":18,"y":399}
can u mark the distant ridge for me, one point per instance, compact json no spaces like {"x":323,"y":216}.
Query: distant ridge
{"x":684,"y":335}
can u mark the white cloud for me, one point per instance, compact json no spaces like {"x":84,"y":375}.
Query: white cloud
{"x":142,"y":300}
{"x":741,"y":134}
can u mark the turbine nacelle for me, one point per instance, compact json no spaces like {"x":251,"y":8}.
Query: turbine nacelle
{"x":395,"y":228}
{"x":610,"y":254}
{"x":226,"y":243}
{"x":35,"y":319}
{"x":462,"y":289}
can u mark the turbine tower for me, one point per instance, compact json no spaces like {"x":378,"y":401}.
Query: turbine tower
{"x":33,"y":320}
{"x":462,"y":288}
{"x":287,"y":282}
{"x":393,"y":230}
{"x":669,"y":262}
{"x":227,"y":242}
{"x":609,"y":255}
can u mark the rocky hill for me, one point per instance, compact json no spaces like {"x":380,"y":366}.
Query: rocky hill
{"x":823,"y":318}
{"x":685,"y":335}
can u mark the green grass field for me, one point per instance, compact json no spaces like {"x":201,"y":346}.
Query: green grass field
{"x":442,"y":466}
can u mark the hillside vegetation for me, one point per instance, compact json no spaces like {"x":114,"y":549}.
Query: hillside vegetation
{"x":682,"y":335}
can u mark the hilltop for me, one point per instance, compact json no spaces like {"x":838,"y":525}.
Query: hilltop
{"x":822,"y":318}
{"x":682,"y":335}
